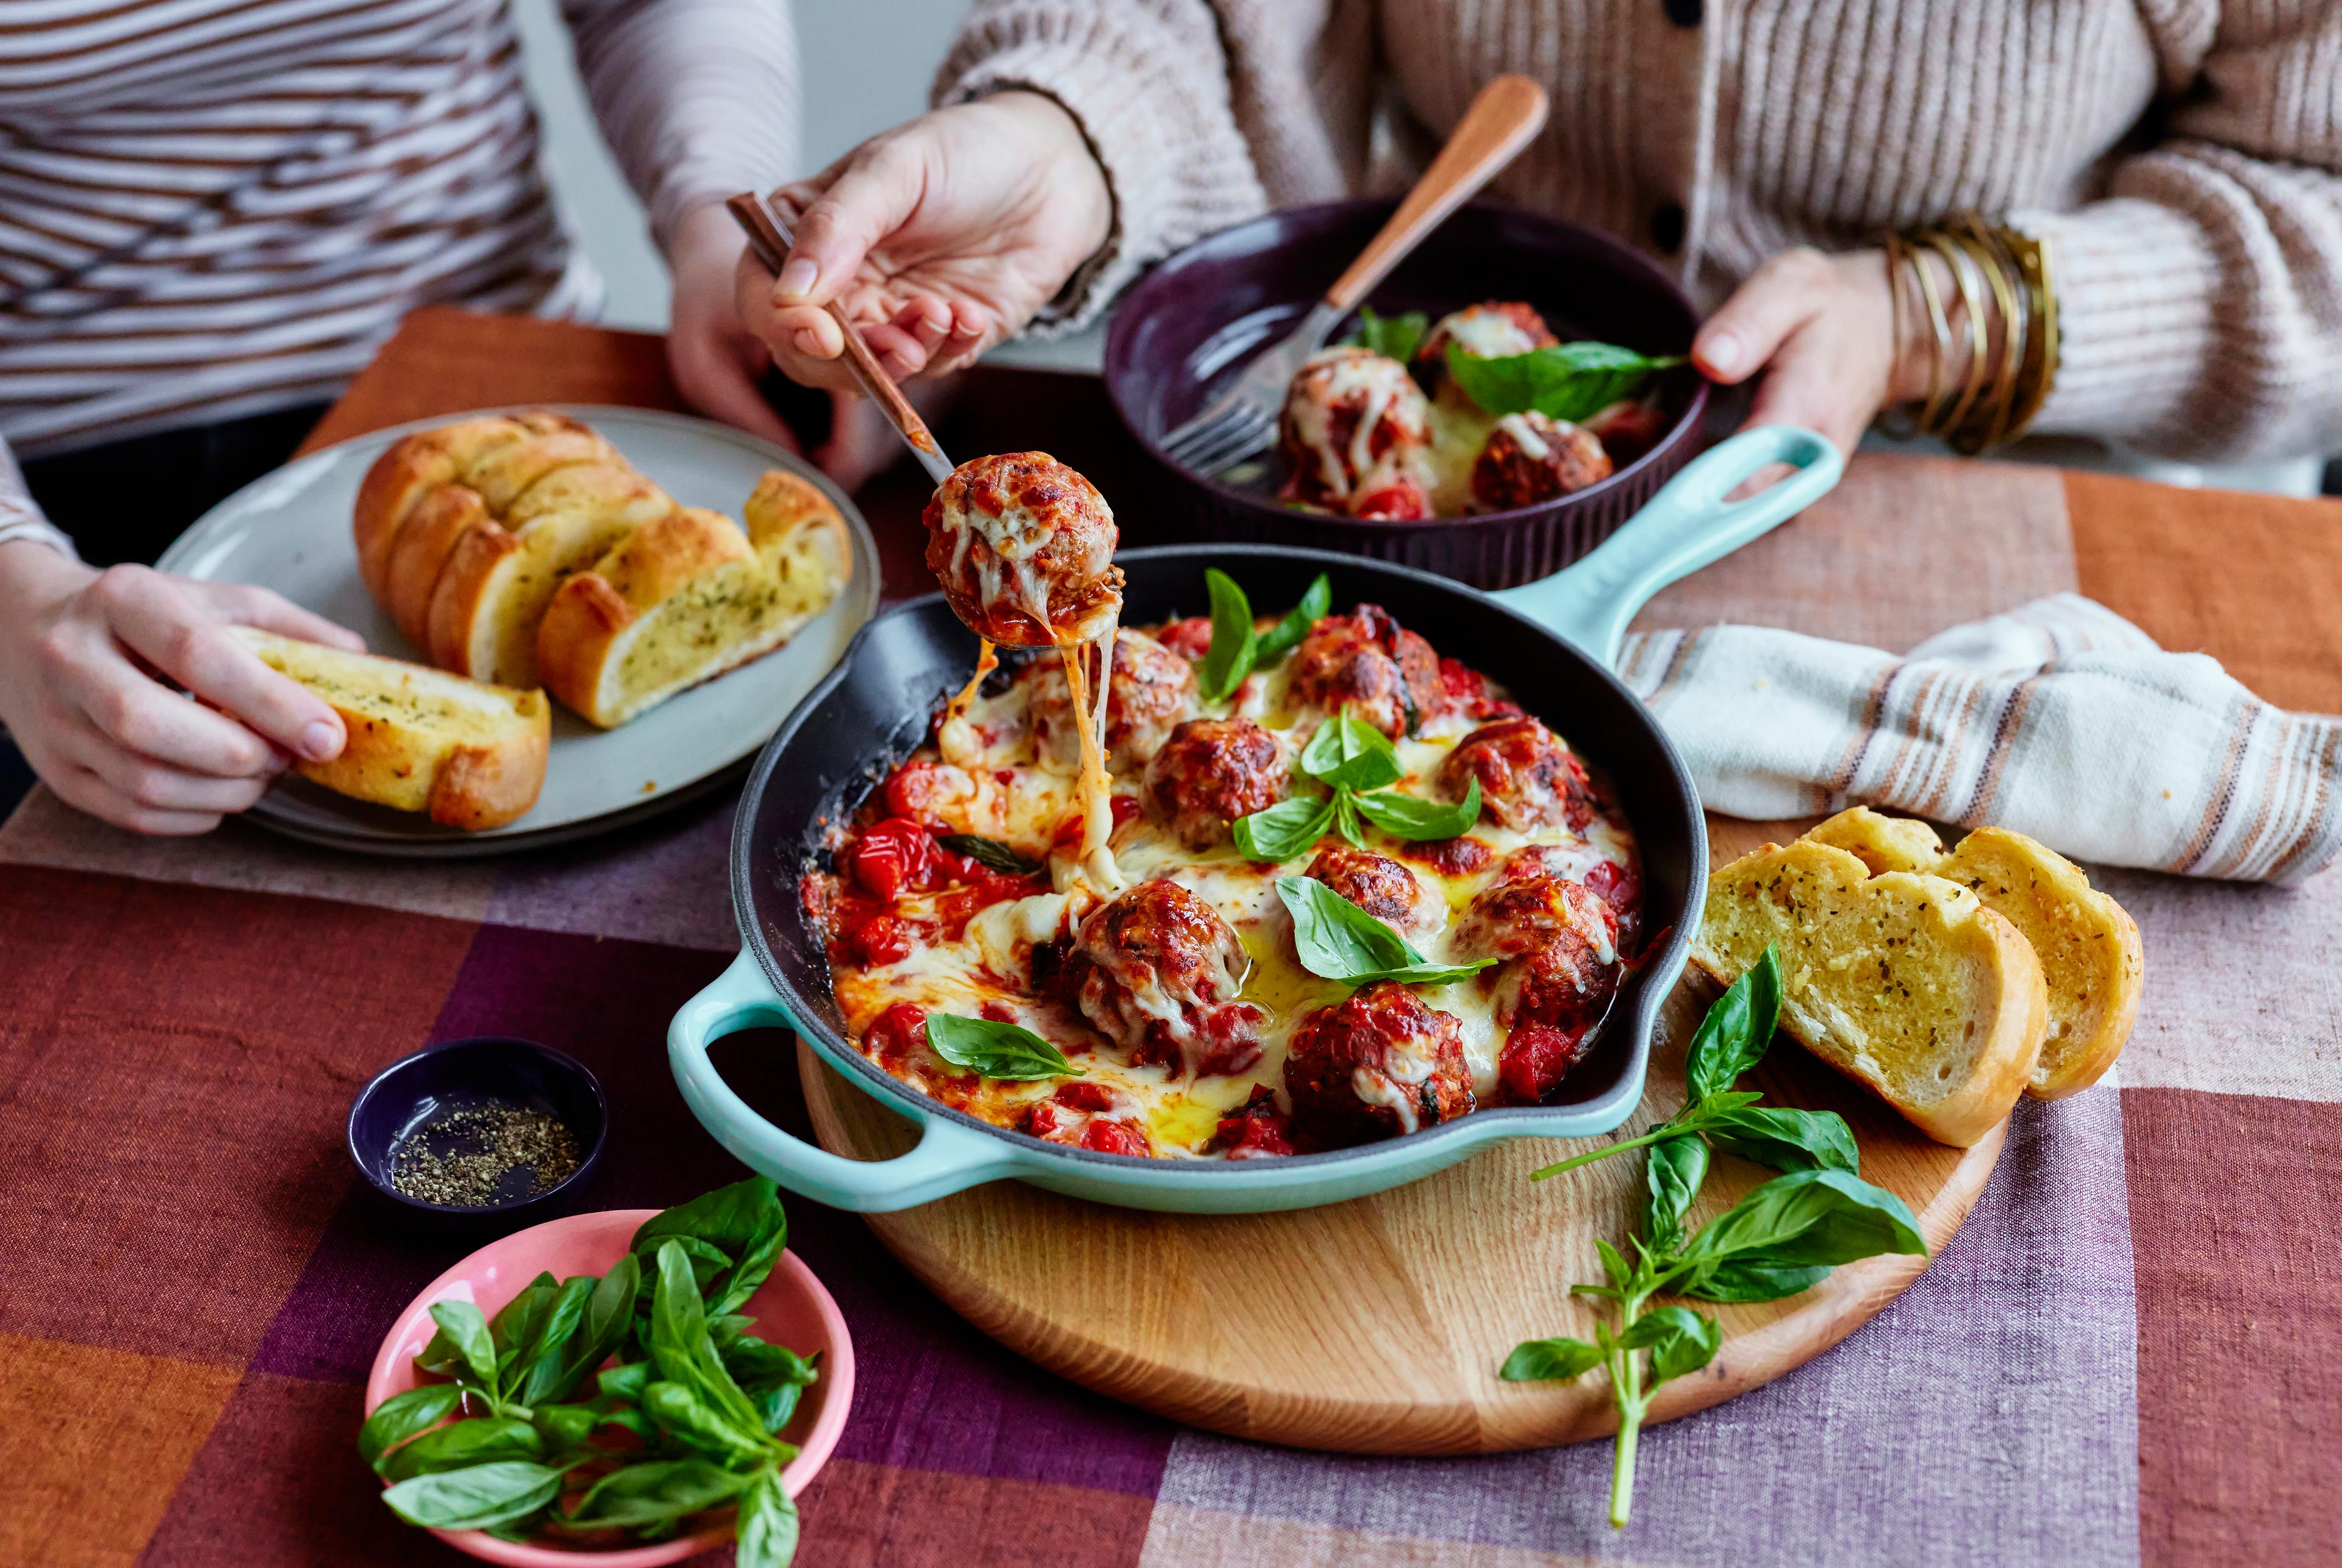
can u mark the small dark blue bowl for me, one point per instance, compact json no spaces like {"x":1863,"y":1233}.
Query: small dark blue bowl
{"x":457,"y":1075}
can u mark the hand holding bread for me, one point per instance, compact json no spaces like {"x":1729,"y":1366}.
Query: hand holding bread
{"x":1949,"y":983}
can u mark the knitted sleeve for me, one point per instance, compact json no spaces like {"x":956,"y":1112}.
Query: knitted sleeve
{"x":2200,"y":301}
{"x":1147,"y":80}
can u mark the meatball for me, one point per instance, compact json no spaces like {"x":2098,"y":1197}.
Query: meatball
{"x":1556,"y":941}
{"x":1089,"y":1115}
{"x":1356,"y":436}
{"x":1157,"y":971}
{"x":1380,"y":885}
{"x":1378,"y":1064}
{"x":1209,"y":773}
{"x":1148,"y":692}
{"x":1024,"y":547}
{"x":1255,"y":1130}
{"x":1370,"y":660}
{"x":1190,"y":638}
{"x":1530,"y":458}
{"x":1529,"y":778}
{"x":1499,"y":329}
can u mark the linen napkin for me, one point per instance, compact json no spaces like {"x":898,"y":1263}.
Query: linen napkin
{"x":2060,"y":719}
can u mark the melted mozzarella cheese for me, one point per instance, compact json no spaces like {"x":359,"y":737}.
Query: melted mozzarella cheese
{"x":1022,"y":792}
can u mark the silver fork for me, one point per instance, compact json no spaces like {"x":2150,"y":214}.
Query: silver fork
{"x":1241,"y":420}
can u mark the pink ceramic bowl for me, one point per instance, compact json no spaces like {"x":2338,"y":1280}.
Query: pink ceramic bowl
{"x":792,"y":1309}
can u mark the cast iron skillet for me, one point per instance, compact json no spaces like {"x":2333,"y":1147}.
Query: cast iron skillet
{"x":1552,"y":643}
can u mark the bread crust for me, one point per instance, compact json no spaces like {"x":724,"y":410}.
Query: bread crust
{"x":468,"y":782}
{"x":2091,"y":957}
{"x":1829,"y":884}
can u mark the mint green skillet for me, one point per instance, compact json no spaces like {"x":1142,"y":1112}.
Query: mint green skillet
{"x":1551,"y":642}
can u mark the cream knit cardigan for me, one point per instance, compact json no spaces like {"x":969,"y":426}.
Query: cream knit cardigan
{"x":2183,"y":156}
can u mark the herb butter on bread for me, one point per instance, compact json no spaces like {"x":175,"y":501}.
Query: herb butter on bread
{"x":2091,"y":958}
{"x":471,"y":755}
{"x":1905,"y":982}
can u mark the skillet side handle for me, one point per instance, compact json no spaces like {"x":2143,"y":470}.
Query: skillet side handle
{"x":1687,"y":525}
{"x":946,"y":1158}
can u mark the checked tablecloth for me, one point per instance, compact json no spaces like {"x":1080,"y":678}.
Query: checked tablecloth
{"x":2132,"y":1351}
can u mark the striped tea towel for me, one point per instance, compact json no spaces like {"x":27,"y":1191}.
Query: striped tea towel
{"x":2060,"y":719}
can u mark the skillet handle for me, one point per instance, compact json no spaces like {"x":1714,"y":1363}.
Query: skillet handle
{"x":1687,"y":525}
{"x":947,"y":1157}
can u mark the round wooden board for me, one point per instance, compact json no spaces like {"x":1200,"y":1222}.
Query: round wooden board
{"x":1376,"y":1326}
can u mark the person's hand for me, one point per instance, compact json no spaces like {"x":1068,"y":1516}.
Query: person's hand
{"x":1821,"y":329}
{"x":714,"y":357}
{"x":938,"y":239}
{"x":78,"y":652}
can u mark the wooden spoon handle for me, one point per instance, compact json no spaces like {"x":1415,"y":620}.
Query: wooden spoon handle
{"x":1500,"y":121}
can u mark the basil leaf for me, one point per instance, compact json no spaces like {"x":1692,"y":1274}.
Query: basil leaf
{"x":401,"y":1415}
{"x":744,"y":1220}
{"x":1347,"y":750}
{"x":463,"y":1343}
{"x":626,"y":1383}
{"x":1741,"y":1281}
{"x":479,"y":1441}
{"x":1803,"y":1220}
{"x":609,"y":1317}
{"x":564,"y":1426}
{"x":1680,"y":1341}
{"x":768,"y":1524}
{"x":775,"y":1405}
{"x":1336,"y":940}
{"x":1236,"y":643}
{"x":1346,"y":817}
{"x":515,"y":1329}
{"x":1570,"y":381}
{"x":755,"y":1365}
{"x":1672,"y":1174}
{"x":692,"y":1419}
{"x":542,"y":1368}
{"x":1732,"y":1038}
{"x":480,"y":1498}
{"x":1785,"y":1140}
{"x":1613,"y":1264}
{"x":989,"y":852}
{"x":679,"y":1345}
{"x":1285,"y":635}
{"x":1392,"y":337}
{"x":656,"y":1493}
{"x":1413,"y":817}
{"x":1290,"y":828}
{"x":1536,"y":1360}
{"x":996,"y":1050}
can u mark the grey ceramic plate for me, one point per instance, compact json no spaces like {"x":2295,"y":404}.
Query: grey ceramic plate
{"x":291,"y":532}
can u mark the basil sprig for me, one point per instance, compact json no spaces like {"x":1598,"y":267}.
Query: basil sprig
{"x":1782,"y":1238}
{"x":996,"y":1050}
{"x":1357,"y":762}
{"x":1392,"y":337}
{"x":702,"y":1397}
{"x":1569,"y":381}
{"x":1338,"y":940}
{"x":1238,"y":647}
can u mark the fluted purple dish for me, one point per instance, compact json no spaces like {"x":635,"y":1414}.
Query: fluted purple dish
{"x":1190,"y":326}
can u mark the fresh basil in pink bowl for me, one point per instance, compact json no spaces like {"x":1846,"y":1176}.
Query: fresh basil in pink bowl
{"x":626,"y":1388}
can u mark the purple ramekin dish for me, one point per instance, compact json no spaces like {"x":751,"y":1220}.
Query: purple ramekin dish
{"x":1189,"y":327}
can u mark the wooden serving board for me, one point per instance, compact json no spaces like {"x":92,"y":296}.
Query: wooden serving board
{"x":1376,"y":1326}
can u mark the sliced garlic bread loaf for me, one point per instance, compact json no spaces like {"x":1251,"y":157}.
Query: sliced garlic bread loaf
{"x":2091,"y":958}
{"x":1904,"y":982}
{"x":686,"y":598}
{"x":471,"y":755}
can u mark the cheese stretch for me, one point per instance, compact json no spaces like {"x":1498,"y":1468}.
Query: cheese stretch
{"x":1007,"y":787}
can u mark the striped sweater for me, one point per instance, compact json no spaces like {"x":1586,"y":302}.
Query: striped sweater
{"x":214,"y":207}
{"x":2183,"y":157}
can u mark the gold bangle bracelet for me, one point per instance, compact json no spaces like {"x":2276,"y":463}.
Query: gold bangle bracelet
{"x":1990,"y":420}
{"x":1971,"y":378}
{"x":1941,"y":326}
{"x":1896,"y":417}
{"x":1996,"y":395}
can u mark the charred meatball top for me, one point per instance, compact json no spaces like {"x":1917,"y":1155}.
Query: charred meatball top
{"x":1368,"y":659}
{"x":1377,"y":1065}
{"x":1209,"y":773}
{"x":1024,"y":547}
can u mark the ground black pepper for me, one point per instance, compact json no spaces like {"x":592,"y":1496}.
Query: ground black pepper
{"x":470,"y":1157}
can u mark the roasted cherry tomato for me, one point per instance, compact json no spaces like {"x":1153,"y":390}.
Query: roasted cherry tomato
{"x":890,"y":856}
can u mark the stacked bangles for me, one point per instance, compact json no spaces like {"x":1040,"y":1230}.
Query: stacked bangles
{"x":1995,"y":353}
